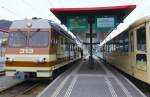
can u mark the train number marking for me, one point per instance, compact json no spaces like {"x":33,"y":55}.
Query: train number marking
{"x":26,"y":51}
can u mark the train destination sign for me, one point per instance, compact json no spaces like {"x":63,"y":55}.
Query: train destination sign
{"x":77,"y":23}
{"x":104,"y":22}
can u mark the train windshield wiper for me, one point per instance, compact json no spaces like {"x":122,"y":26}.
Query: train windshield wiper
{"x":31,"y":34}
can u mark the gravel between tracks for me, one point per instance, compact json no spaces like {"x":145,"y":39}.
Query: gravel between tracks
{"x":25,"y":89}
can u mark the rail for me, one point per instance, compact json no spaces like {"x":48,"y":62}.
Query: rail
{"x":31,"y":88}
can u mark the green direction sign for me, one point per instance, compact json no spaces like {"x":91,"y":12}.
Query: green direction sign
{"x":105,"y":22}
{"x":77,"y":23}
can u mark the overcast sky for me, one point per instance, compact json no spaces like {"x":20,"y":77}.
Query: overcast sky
{"x":20,"y":9}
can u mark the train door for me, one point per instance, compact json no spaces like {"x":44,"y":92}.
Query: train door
{"x":59,"y":47}
{"x":132,"y":54}
{"x":52,"y":48}
{"x":141,"y":51}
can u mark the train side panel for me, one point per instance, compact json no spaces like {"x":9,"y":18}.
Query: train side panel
{"x":135,"y":61}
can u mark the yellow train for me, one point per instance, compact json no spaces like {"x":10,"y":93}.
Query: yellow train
{"x":37,"y":47}
{"x":130,"y":50}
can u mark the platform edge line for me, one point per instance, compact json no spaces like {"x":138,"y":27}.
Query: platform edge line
{"x":71,"y":86}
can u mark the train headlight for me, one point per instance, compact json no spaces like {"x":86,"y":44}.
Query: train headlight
{"x":9,"y":59}
{"x":41,"y":60}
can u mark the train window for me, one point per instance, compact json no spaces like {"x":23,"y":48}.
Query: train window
{"x":121,"y":45}
{"x":62,"y":40}
{"x":114,"y":47}
{"x":59,"y":40}
{"x":67,"y":45}
{"x":70,"y":47}
{"x":17,"y":39}
{"x":117,"y":44}
{"x":117,"y":47}
{"x":132,"y":42}
{"x":38,"y":39}
{"x":126,"y":42}
{"x":141,"y":39}
{"x":141,"y":59}
{"x":53,"y":40}
{"x":111,"y":46}
{"x":106,"y":47}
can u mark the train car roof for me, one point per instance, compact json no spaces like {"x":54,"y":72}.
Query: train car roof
{"x":35,"y":23}
{"x":134,"y":24}
{"x":40,"y":23}
{"x":60,"y":29}
{"x":140,"y":21}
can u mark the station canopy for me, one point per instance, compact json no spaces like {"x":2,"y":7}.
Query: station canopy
{"x":62,"y":9}
{"x":71,"y":7}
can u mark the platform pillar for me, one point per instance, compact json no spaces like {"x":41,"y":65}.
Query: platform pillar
{"x":91,"y":45}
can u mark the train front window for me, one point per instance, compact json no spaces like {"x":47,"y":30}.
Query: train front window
{"x":38,"y":39}
{"x":17,"y":39}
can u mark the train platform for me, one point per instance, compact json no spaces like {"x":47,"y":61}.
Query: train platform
{"x":7,"y":82}
{"x":82,"y":80}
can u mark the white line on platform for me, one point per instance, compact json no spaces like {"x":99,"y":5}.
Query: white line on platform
{"x":143,"y":95}
{"x":92,"y":75}
{"x":111,"y":89}
{"x":69,"y":90}
{"x":127,"y":93}
{"x":61,"y":85}
{"x":44,"y":91}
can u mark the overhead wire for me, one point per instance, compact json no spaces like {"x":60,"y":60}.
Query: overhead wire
{"x":31,"y":6}
{"x":14,"y":13}
{"x":3,"y":6}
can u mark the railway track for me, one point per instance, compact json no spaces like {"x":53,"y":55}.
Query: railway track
{"x":2,"y":73}
{"x":25,"y":89}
